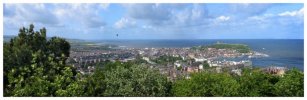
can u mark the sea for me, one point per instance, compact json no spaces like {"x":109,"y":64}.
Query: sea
{"x":282,"y":52}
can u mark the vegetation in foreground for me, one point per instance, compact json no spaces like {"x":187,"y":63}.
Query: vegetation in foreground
{"x":35,"y":66}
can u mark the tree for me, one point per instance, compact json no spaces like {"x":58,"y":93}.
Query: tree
{"x":292,"y":84}
{"x":206,"y":64}
{"x":95,"y":85}
{"x":58,"y":46}
{"x":206,"y":84}
{"x":254,"y":82}
{"x":128,"y":79}
{"x":34,"y":66}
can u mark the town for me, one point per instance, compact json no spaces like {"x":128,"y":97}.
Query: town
{"x":173,"y":62}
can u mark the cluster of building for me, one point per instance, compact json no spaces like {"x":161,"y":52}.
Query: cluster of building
{"x":191,"y":60}
{"x":185,"y":69}
{"x":85,"y":61}
{"x":275,"y":70}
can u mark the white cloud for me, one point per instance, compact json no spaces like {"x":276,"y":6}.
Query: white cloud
{"x":124,"y":23}
{"x":198,"y":12}
{"x":194,"y":15}
{"x":151,"y":12}
{"x":152,"y":18}
{"x":168,"y":14}
{"x":86,"y":15}
{"x":30,"y":13}
{"x":219,"y":21}
{"x":59,"y":19}
{"x":293,"y":13}
{"x":223,"y":18}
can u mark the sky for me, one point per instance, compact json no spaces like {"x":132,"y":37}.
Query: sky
{"x":159,"y":21}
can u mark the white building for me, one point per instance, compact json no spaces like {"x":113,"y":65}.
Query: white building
{"x":146,"y":58}
{"x":200,"y":59}
{"x":177,"y":64}
{"x":201,"y":67}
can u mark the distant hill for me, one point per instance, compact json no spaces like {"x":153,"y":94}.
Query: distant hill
{"x":76,"y":44}
{"x":239,"y":47}
{"x":7,"y":38}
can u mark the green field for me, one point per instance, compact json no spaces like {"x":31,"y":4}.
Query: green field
{"x":238,"y":47}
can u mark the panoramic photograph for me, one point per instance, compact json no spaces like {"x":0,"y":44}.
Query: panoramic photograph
{"x":153,"y":50}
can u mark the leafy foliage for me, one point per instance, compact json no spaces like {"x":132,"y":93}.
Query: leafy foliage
{"x":207,"y":84}
{"x":35,"y":66}
{"x":206,"y":64}
{"x":256,"y":83}
{"x":292,"y":84}
{"x":127,"y":79}
{"x":252,"y":83}
{"x":164,"y":59}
